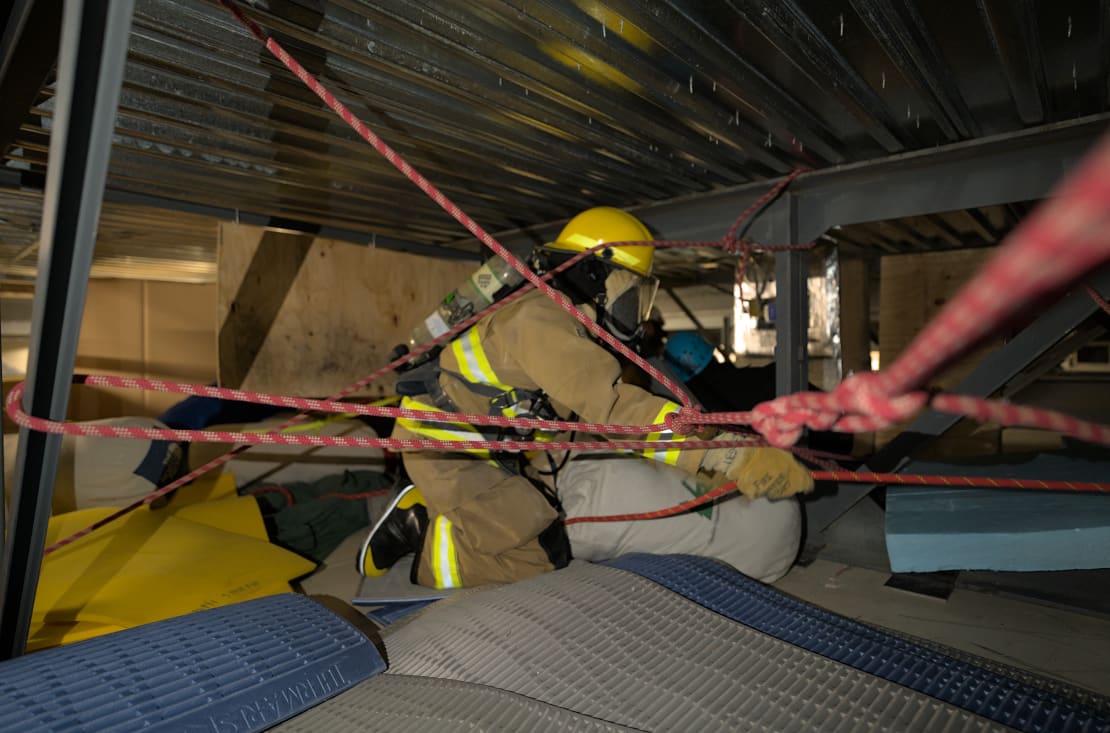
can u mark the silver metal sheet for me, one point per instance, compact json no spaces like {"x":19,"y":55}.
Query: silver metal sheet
{"x":524,"y":113}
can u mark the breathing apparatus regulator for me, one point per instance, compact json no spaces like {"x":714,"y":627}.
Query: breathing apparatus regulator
{"x":617,"y":281}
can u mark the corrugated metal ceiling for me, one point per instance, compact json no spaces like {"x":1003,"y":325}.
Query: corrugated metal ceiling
{"x":526,"y":111}
{"x":133,"y":241}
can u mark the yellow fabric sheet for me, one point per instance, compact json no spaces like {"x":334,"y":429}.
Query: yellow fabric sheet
{"x":155,"y":564}
{"x":209,"y":487}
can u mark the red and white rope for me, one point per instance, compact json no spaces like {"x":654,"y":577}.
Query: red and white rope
{"x":1097,"y":297}
{"x":442,"y":200}
{"x":22,"y":419}
{"x":902,"y":479}
{"x":1049,"y":252}
{"x":735,"y":244}
{"x":1053,"y":249}
{"x":1062,"y":241}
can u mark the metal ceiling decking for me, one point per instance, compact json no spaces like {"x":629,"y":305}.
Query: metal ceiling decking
{"x":525,"y":112}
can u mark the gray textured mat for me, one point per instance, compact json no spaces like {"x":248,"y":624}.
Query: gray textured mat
{"x":589,"y":639}
{"x":399,"y":703}
{"x":1002,"y":699}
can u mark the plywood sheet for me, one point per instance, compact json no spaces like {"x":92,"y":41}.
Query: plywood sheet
{"x":307,"y":317}
{"x":179,"y":337}
{"x":855,"y":316}
{"x":913,"y":290}
{"x":110,"y":342}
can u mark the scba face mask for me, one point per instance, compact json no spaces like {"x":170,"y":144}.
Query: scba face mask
{"x":628,"y":301}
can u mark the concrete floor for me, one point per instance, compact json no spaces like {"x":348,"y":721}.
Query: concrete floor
{"x":337,"y":576}
{"x":1049,"y":641}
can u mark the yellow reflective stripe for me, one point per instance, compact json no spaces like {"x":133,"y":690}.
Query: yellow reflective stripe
{"x":439,"y":431}
{"x":445,"y":561}
{"x":513,"y":410}
{"x":670,"y":455}
{"x":473,"y":362}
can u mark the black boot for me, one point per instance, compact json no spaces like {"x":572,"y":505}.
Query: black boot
{"x":399,"y":532}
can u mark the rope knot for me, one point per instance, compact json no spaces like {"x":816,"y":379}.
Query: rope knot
{"x":683,"y":420}
{"x":737,"y":245}
{"x":860,"y":403}
{"x":866,"y":395}
{"x":782,"y":420}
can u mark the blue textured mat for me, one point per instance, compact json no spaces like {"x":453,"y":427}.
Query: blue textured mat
{"x":740,"y":598}
{"x":235,"y":668}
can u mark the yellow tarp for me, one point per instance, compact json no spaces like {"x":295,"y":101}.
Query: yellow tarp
{"x":209,"y":487}
{"x":199,"y":552}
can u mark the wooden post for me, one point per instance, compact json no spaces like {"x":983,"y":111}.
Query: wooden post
{"x":855,"y":316}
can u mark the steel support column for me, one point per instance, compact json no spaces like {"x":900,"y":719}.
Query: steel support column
{"x":1001,"y":169}
{"x":792,"y":307}
{"x":90,"y":71}
{"x":997,"y":371}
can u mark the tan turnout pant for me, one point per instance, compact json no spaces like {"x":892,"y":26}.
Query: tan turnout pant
{"x":494,"y":519}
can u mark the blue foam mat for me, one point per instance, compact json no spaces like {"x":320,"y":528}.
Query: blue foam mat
{"x":1007,"y":701}
{"x":235,"y":668}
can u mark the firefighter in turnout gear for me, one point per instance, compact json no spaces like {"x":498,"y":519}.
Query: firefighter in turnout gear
{"x":485,"y":518}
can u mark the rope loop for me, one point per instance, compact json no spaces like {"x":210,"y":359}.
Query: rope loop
{"x":860,"y":403}
{"x":737,"y":246}
{"x":865,"y":394}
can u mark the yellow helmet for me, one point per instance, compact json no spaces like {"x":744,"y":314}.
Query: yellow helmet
{"x":607,"y":224}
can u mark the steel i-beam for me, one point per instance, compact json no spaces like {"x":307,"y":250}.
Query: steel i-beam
{"x":90,"y":72}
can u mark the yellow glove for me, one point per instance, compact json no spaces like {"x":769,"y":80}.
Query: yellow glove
{"x":758,"y":472}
